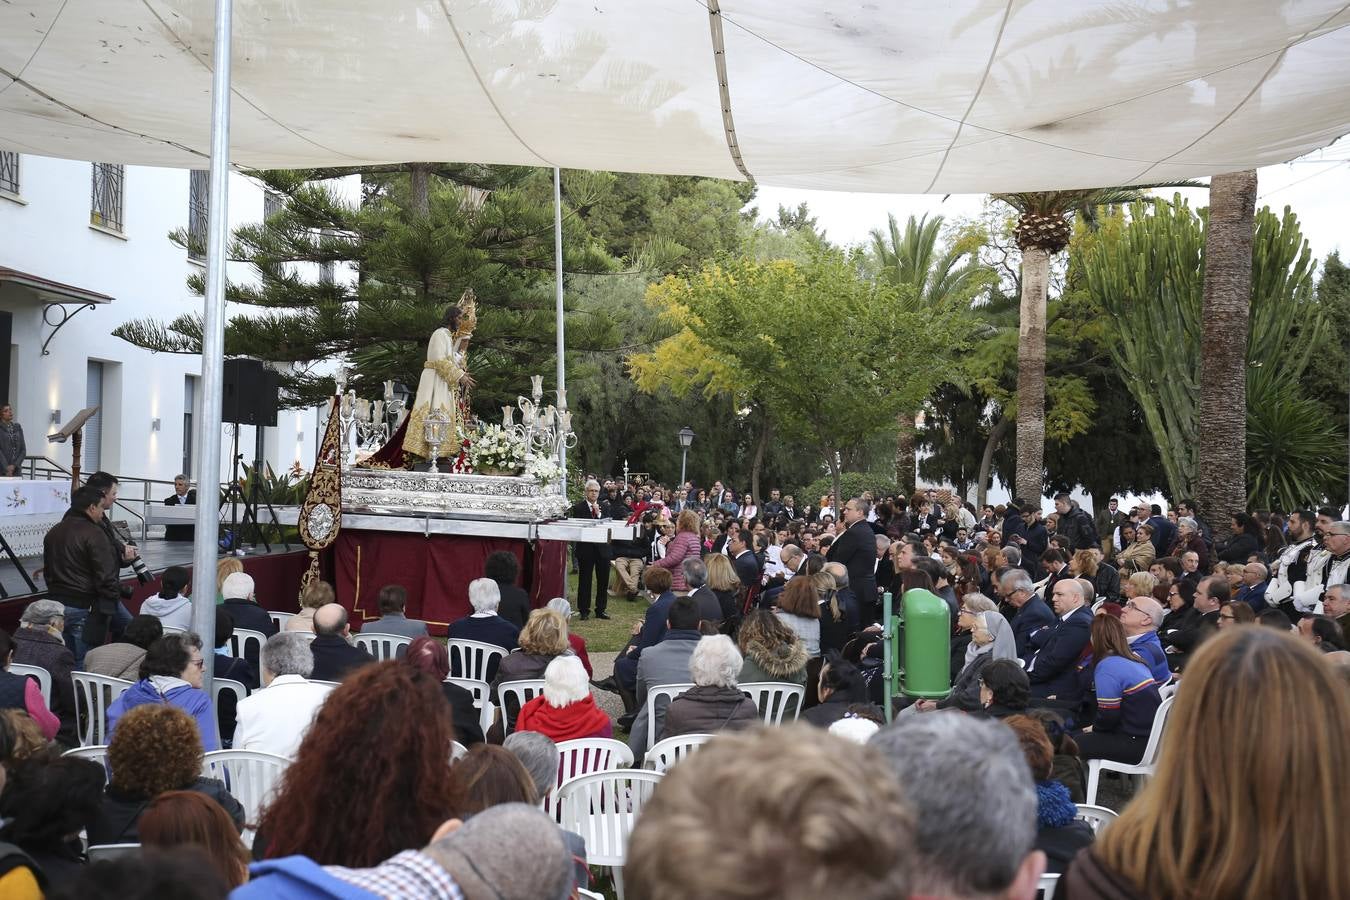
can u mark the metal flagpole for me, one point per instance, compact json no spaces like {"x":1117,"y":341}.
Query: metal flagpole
{"x":558,"y":310}
{"x":213,"y":349}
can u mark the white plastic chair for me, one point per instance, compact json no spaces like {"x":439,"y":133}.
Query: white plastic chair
{"x":472,"y":659}
{"x":482,"y":692}
{"x":1097,"y":817}
{"x":250,"y":775}
{"x":667,"y":691}
{"x":584,"y":756}
{"x":101,"y":852}
{"x":307,"y":635}
{"x":242,"y":638}
{"x":1045,"y":889}
{"x":93,"y":695}
{"x":589,"y":895}
{"x":1169,"y":689}
{"x":44,"y":679}
{"x":457,"y":752}
{"x":171,"y":629}
{"x":383,"y":647}
{"x":220,"y":685}
{"x":603,"y":807}
{"x":775,"y":699}
{"x":280,"y":619}
{"x":668,"y":751}
{"x":513,"y":696}
{"x":98,"y":753}
{"x":1146,"y":763}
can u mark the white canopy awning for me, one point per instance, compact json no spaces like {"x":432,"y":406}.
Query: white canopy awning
{"x":868,"y":95}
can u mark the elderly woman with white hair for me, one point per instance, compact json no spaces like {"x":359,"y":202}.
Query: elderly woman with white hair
{"x":566,"y":710}
{"x":578,"y":643}
{"x":714,"y":702}
{"x":483,"y":624}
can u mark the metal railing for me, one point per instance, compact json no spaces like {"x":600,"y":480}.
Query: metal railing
{"x":42,"y":468}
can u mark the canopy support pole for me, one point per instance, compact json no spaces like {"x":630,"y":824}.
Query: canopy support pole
{"x":213,"y":349}
{"x":558,"y":313}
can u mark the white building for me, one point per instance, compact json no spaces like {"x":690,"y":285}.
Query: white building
{"x":84,"y":247}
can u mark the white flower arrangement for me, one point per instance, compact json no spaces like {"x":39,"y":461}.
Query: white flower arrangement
{"x":543,"y":469}
{"x":496,"y":448}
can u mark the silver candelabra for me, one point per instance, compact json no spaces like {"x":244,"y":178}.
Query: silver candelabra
{"x":544,"y":430}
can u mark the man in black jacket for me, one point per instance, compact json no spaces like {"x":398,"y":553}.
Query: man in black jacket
{"x":503,"y":568}
{"x":856,"y":548}
{"x":1075,"y":523}
{"x":1053,"y":665}
{"x":743,"y":559}
{"x":334,"y":657}
{"x":81,"y":569}
{"x":1210,"y":594}
{"x":181,"y":496}
{"x":592,"y":559}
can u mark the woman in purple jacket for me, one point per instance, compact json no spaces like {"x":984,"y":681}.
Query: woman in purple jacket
{"x":686,"y":543}
{"x":172,"y":673}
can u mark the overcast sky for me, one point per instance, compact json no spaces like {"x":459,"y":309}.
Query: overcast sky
{"x":1317,"y":187}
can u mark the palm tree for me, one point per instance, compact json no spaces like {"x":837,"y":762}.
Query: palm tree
{"x":936,"y":276}
{"x":1223,"y":347}
{"x":1043,"y":229}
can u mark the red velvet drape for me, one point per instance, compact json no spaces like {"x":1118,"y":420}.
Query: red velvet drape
{"x":435,"y":570}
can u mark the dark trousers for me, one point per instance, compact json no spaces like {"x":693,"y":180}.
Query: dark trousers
{"x":1112,"y":745}
{"x":593,"y":578}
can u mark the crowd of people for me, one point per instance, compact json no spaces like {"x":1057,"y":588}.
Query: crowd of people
{"x":1065,"y":634}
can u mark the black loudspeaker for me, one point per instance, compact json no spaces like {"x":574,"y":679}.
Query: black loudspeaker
{"x":251,"y":392}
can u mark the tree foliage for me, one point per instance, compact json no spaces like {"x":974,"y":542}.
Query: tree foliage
{"x":828,"y":357}
{"x":1147,"y":275}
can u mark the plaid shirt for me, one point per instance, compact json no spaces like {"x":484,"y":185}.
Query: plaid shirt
{"x":411,"y":875}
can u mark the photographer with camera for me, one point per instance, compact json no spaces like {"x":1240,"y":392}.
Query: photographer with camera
{"x":81,"y":570}
{"x":120,"y":537}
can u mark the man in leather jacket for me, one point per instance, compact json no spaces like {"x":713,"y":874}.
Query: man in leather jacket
{"x":81,"y":568}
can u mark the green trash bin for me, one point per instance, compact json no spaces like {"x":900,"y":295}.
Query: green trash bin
{"x":926,"y":660}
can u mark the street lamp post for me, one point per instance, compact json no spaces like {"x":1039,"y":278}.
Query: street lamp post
{"x":686,"y":436}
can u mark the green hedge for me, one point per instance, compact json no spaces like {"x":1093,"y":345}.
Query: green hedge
{"x":851,"y":483}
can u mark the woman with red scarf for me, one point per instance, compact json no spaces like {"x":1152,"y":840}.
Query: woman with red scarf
{"x":566,"y":710}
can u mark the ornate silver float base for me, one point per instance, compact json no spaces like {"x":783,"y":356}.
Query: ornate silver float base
{"x":503,"y":498}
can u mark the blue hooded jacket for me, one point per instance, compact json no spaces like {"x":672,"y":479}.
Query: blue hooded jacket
{"x":296,"y":878}
{"x":1150,"y":650}
{"x":190,"y":700}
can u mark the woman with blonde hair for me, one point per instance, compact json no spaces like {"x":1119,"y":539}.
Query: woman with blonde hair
{"x":542,"y":640}
{"x":684,"y":544}
{"x":771,"y":650}
{"x":1140,"y":584}
{"x":224,"y":569}
{"x":319,"y":593}
{"x":1137,"y":551}
{"x":726,"y":584}
{"x":1230,"y":813}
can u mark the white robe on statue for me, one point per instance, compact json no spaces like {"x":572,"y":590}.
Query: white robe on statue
{"x":438,"y":388}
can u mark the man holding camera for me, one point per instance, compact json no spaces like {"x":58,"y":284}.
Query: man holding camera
{"x":126,"y":551}
{"x":81,"y":569}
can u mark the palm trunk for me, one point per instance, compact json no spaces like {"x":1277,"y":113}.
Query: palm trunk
{"x":419,"y":174}
{"x":906,"y":461}
{"x":757,"y":465}
{"x":1031,"y":375}
{"x":1222,"y":414}
{"x":987,"y":460}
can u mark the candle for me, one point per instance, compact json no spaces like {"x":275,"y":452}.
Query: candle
{"x":537,"y":386}
{"x":347,"y":405}
{"x":379,"y":411}
{"x":565,"y":422}
{"x":508,"y":416}
{"x":562,"y":398}
{"x":340,"y":380}
{"x":388,"y":392}
{"x":363,"y":410}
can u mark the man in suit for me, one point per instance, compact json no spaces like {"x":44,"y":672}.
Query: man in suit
{"x":275,"y":720}
{"x":1032,"y":612}
{"x":742,"y":557}
{"x":1053,"y":667}
{"x":1210,"y":594}
{"x":1164,"y":532}
{"x":393,"y":601}
{"x":1056,"y":567}
{"x":181,"y":496}
{"x":503,"y":568}
{"x":856,"y":548}
{"x":334,"y":657}
{"x":1255,"y":580}
{"x":1107,"y":521}
{"x":665,"y":663}
{"x":592,"y":559}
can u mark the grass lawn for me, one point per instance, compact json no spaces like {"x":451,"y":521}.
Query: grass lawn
{"x":602,"y":636}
